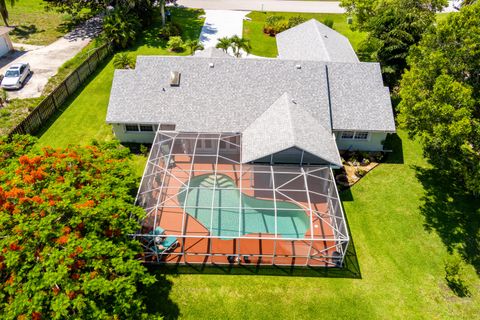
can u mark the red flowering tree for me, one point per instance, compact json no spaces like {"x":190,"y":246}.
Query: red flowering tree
{"x":65,"y":216}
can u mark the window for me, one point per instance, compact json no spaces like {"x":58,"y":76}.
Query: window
{"x":347,"y":134}
{"x":131,"y":128}
{"x":354,"y":135}
{"x":146,"y":128}
{"x":361,"y":135}
{"x":208,"y":143}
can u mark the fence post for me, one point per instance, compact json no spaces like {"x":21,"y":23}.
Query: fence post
{"x":53,"y":100}
{"x":65,"y":85}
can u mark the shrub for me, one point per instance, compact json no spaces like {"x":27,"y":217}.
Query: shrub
{"x":328,"y":22}
{"x":175,"y":44}
{"x":123,"y":61}
{"x":454,"y":279}
{"x":4,"y":113}
{"x":144,"y":150}
{"x":274,"y":25}
{"x":295,"y":21}
{"x":365,"y":162}
{"x":360,"y":173}
{"x":120,"y":28}
{"x":170,"y":29}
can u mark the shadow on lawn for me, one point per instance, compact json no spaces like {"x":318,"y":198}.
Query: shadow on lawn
{"x":394,"y":143}
{"x":24,"y":31}
{"x":158,"y":301}
{"x":453,"y":214}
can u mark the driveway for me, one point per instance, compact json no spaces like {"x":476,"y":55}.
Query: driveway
{"x":45,"y":61}
{"x":219,"y":24}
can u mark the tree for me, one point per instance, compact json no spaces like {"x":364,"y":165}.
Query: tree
{"x":65,"y":220}
{"x":123,"y":60}
{"x":364,"y":10}
{"x":441,"y":97}
{"x":224,"y":44}
{"x":4,"y":10}
{"x":393,"y":27}
{"x":193,"y":45}
{"x":239,"y":44}
{"x":175,"y":44}
{"x":121,"y":28}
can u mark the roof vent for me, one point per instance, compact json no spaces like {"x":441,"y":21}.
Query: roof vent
{"x":294,"y":102}
{"x":298,"y":66}
{"x":211,"y":65}
{"x":174,"y":78}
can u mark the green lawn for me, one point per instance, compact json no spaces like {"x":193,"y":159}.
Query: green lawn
{"x":401,"y":263}
{"x":83,"y":116}
{"x":33,"y":24}
{"x":265,"y":46}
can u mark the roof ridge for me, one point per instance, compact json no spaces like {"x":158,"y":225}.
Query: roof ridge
{"x":322,"y":41}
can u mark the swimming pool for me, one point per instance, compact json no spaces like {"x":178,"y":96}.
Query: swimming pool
{"x":257,"y":215}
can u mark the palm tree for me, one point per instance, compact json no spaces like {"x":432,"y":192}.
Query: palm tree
{"x":193,"y":45}
{"x":224,"y":43}
{"x":4,"y":11}
{"x":238,"y":44}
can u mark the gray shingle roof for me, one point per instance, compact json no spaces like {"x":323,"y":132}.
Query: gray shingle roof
{"x":286,"y":124}
{"x":359,"y":100}
{"x":225,"y":98}
{"x":212,"y":52}
{"x":313,"y":40}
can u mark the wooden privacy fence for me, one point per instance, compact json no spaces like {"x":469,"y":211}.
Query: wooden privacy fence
{"x":45,"y":109}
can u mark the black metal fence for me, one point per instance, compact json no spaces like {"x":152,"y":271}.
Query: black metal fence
{"x":45,"y":109}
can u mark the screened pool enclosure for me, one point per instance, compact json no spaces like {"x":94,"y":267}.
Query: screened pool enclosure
{"x":206,"y":207}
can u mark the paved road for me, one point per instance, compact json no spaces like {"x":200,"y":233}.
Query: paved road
{"x":219,"y":24}
{"x":273,"y":5}
{"x":268,"y":5}
{"x":45,"y":61}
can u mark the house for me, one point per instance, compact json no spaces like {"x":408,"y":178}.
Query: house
{"x":240,"y":170}
{"x":5,"y":43}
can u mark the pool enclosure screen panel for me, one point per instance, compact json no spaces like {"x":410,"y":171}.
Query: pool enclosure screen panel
{"x":215,"y":209}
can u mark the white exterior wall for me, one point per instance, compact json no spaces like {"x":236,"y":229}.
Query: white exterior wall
{"x":136,"y":137}
{"x":373,"y":143}
{"x":5,"y":44}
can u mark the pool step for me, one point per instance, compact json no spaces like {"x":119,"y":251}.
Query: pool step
{"x":222,"y":182}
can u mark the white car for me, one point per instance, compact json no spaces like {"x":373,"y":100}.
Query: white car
{"x":15,"y":76}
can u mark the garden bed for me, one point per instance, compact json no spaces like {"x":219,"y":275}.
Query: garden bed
{"x":355,"y":166}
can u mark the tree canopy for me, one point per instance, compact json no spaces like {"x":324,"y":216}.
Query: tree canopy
{"x":393,"y":26}
{"x":65,"y":220}
{"x":441,"y":96}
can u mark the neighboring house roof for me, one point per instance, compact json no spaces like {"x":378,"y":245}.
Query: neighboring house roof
{"x":229,"y":96}
{"x":284,"y":125}
{"x":313,"y":40}
{"x":212,"y":52}
{"x":5,"y":30}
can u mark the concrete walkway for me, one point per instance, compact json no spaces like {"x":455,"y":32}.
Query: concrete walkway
{"x":219,"y":24}
{"x":45,"y":61}
{"x":275,"y":5}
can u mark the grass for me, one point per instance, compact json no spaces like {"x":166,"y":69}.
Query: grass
{"x":82,"y":118}
{"x":14,"y":112}
{"x":402,"y":264}
{"x":34,"y":25}
{"x":396,"y":218}
{"x":266,"y":46}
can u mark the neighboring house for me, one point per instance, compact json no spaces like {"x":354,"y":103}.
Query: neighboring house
{"x":240,"y":170}
{"x":5,"y":43}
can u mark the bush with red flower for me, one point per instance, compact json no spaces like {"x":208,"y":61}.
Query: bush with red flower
{"x":65,"y":217}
